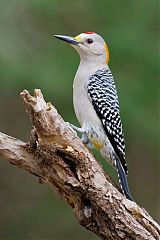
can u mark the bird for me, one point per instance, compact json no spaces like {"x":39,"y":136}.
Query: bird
{"x":96,"y":103}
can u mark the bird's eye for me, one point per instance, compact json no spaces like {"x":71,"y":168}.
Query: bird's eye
{"x":89,"y":40}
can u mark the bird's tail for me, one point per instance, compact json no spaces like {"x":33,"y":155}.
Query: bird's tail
{"x":123,"y":179}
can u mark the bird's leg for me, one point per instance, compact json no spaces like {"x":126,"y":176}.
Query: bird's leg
{"x":86,"y":140}
{"x":85,"y":135}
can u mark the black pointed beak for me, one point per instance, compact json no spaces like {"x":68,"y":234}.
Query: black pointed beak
{"x":68,"y":39}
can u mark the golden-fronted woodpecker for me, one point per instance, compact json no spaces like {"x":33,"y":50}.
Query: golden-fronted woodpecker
{"x":96,"y":102}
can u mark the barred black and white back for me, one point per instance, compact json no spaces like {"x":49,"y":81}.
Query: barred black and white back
{"x":103,"y":95}
{"x":102,"y":92}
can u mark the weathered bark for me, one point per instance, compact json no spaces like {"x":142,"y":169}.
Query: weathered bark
{"x":60,"y":159}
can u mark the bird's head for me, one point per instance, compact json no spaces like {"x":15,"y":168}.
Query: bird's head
{"x":89,"y":45}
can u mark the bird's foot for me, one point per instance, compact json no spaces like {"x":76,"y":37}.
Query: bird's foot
{"x":73,"y":129}
{"x":84,"y":138}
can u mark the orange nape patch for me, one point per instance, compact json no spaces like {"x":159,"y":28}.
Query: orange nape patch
{"x":107,"y":53}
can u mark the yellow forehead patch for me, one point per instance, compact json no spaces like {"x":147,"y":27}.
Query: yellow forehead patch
{"x":78,"y":38}
{"x":107,"y":53}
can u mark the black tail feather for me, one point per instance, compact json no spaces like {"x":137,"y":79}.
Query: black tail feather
{"x":123,"y":180}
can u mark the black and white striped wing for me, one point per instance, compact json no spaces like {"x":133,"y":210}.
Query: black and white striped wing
{"x":103,"y":95}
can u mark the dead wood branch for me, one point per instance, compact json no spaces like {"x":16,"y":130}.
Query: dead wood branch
{"x":60,"y":159}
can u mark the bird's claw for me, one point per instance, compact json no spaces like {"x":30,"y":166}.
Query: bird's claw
{"x":84,"y":138}
{"x":70,"y":126}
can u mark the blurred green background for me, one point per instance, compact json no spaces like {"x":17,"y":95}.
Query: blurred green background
{"x":31,"y":58}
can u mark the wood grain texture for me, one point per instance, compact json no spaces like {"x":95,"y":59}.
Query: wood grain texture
{"x":61,"y":160}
